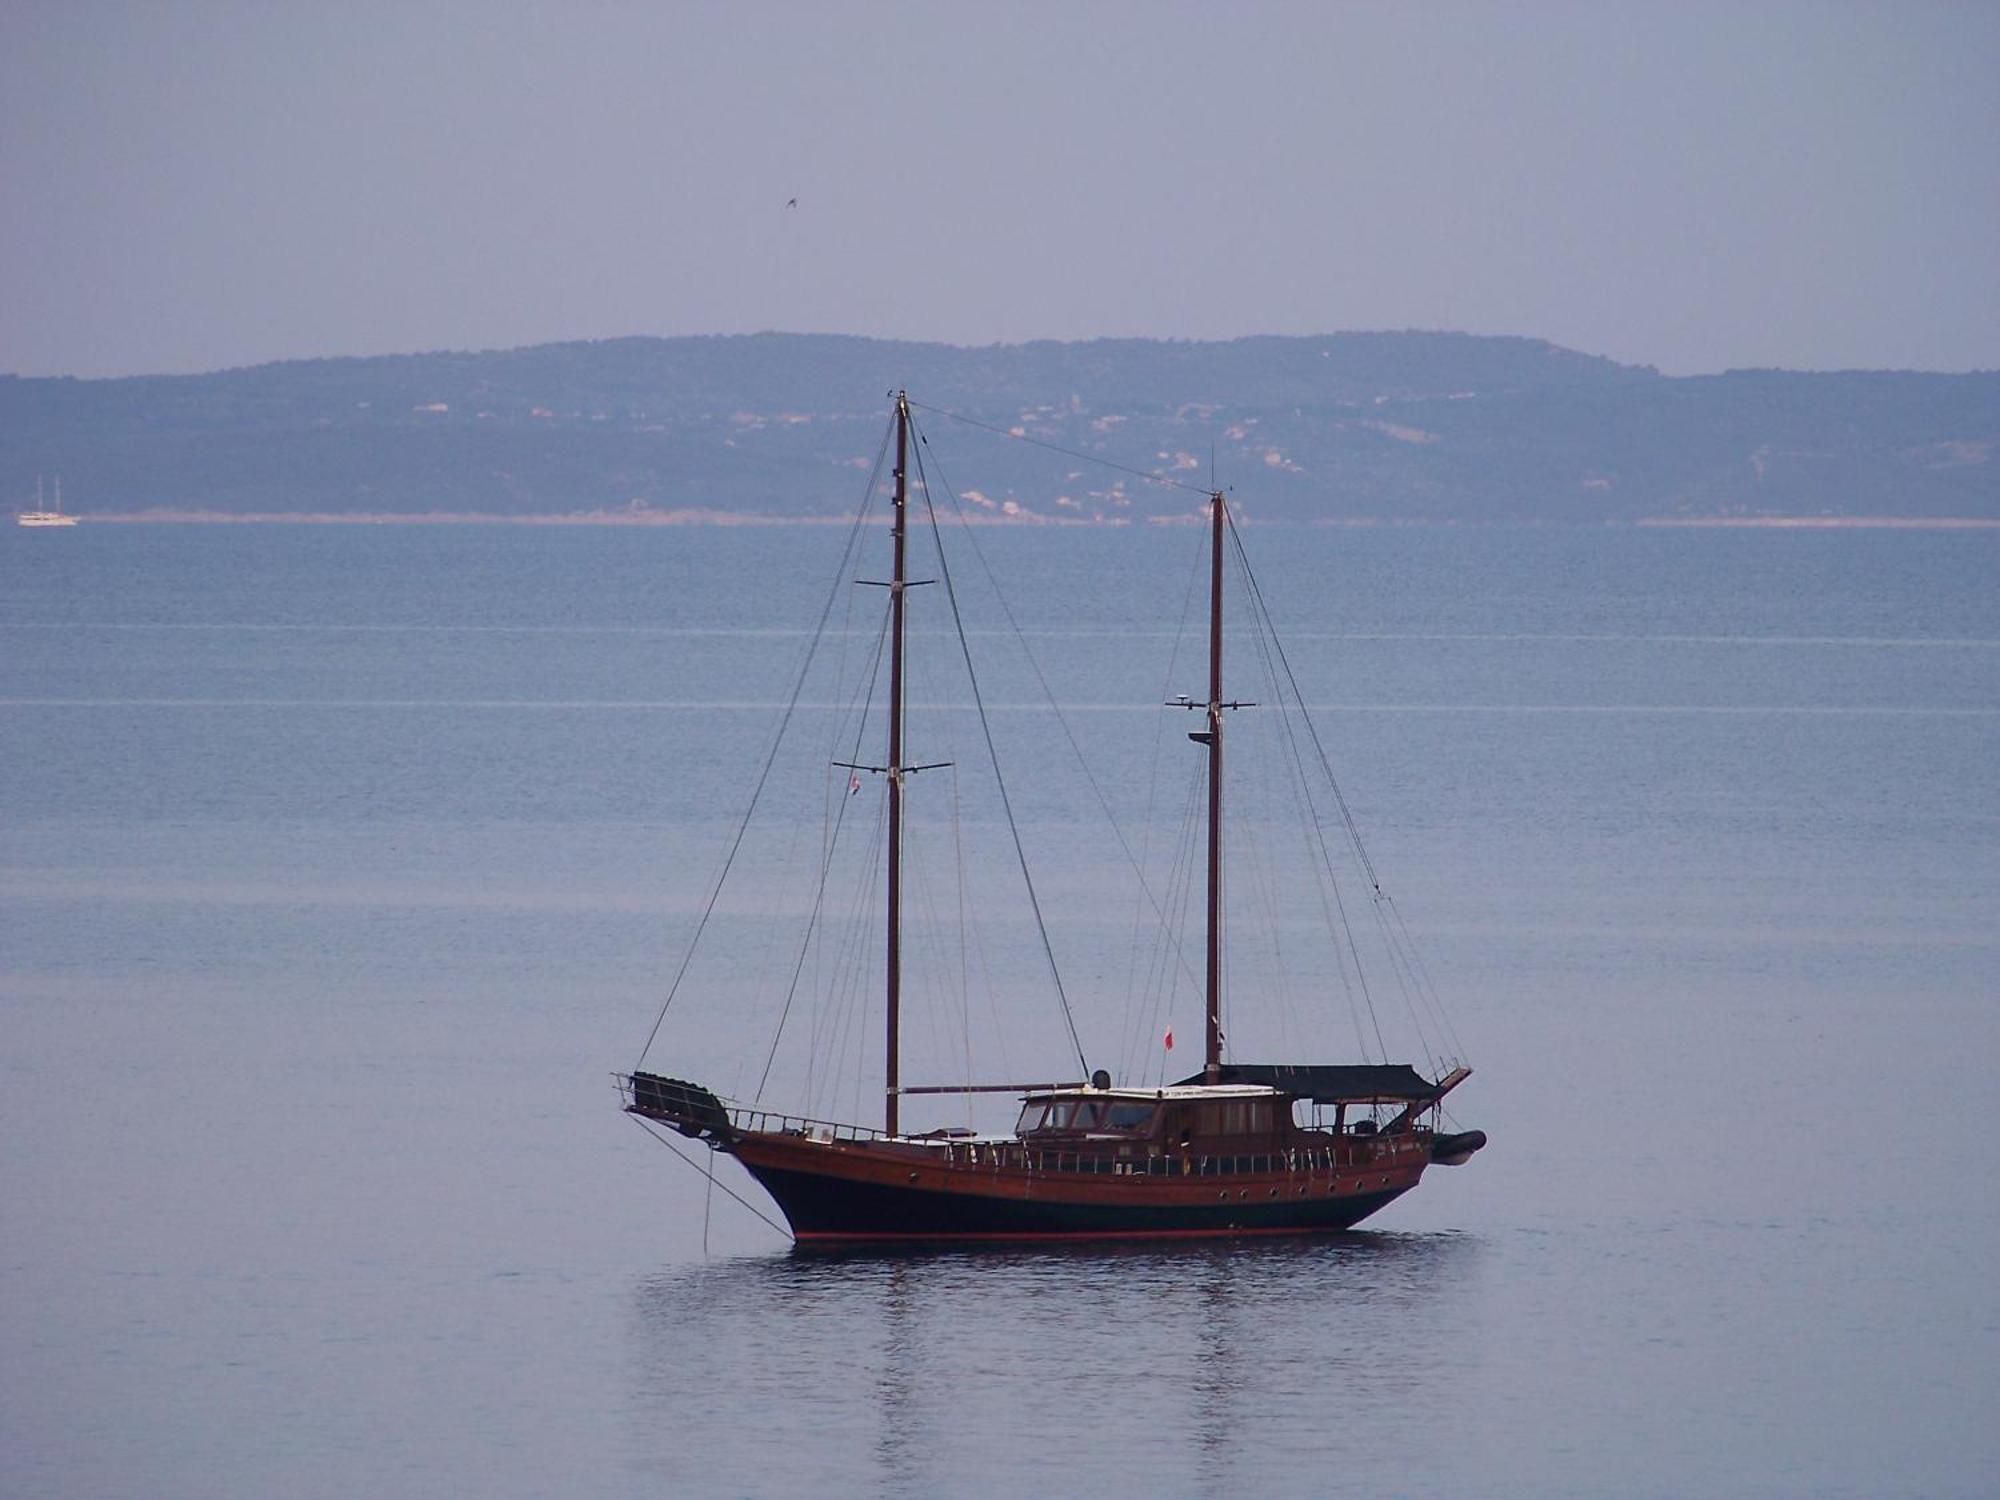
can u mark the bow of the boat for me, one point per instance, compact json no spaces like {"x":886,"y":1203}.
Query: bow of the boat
{"x":686,"y":1107}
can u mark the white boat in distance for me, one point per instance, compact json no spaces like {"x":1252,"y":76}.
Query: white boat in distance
{"x":40,"y":517}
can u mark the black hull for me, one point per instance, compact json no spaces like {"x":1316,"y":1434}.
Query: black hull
{"x":825,"y":1210}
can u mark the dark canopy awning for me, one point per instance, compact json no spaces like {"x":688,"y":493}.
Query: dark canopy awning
{"x":1333,"y":1083}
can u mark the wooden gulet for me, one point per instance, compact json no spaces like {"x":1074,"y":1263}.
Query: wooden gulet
{"x":1222,"y":1153}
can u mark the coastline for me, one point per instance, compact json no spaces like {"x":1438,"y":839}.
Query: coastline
{"x":753,"y":518}
{"x":1827,"y":523}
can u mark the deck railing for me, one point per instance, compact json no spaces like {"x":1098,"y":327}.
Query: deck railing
{"x":1018,"y":1156}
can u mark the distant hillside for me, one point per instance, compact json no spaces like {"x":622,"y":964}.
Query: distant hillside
{"x":1397,"y":426}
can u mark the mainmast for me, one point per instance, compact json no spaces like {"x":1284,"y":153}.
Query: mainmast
{"x":897,"y":582}
{"x":1212,"y":1000}
{"x":1218,"y":518}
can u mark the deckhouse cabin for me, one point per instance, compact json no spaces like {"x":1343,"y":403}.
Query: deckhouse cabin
{"x":1248,"y":1122}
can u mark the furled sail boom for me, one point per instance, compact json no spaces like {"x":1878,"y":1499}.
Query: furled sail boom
{"x":1334,"y":1083}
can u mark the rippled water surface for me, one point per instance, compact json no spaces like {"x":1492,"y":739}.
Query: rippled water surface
{"x":340,"y":867}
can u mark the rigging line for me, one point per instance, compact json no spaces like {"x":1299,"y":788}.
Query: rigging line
{"x":1325,"y":881}
{"x":813,"y":944}
{"x":1144,"y":989}
{"x":926,"y":971}
{"x":830,"y":814}
{"x":825,"y":866}
{"x":988,"y":988}
{"x":1405,"y":961}
{"x":929,"y":945}
{"x":1262,"y":611}
{"x":1195,"y":559}
{"x":851,"y":973}
{"x":738,"y":1197}
{"x":1262,"y":863}
{"x":707,"y":1198}
{"x":1089,"y":458}
{"x":1422,"y":992}
{"x":1152,"y":800}
{"x":835,"y":817}
{"x":1314,"y":835}
{"x":1347,"y":818}
{"x":1424,"y":975}
{"x":864,"y":993}
{"x":1283,"y":746}
{"x":961,"y":909}
{"x":1354,"y":954}
{"x":1411,"y":997}
{"x":770,"y":759}
{"x":1048,"y":693}
{"x":964,"y":964}
{"x":839,"y":695}
{"x":1162,"y":990}
{"x":794,"y":874}
{"x":1351,"y":951}
{"x":993,"y":755}
{"x":1404,"y":971}
{"x":1257,"y":593}
{"x":844,"y":971}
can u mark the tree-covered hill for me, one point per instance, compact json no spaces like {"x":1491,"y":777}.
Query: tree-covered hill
{"x":1397,"y":426}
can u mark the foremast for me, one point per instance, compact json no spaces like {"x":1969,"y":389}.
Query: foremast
{"x":898,"y":584}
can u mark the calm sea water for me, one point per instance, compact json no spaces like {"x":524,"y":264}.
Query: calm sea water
{"x":340,"y":867}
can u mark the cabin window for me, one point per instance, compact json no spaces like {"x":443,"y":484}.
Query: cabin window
{"x":1061,"y":1112}
{"x":1133,"y":1116}
{"x":1031,"y":1117}
{"x":1089,"y":1115}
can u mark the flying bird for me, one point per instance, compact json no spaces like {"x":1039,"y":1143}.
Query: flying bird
{"x":791,"y":203}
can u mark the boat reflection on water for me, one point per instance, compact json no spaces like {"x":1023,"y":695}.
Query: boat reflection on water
{"x":1196,"y":1364}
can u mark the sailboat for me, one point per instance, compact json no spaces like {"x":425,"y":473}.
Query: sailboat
{"x":40,"y":517}
{"x":1238,"y":1148}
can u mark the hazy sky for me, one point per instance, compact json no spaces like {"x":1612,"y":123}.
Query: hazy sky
{"x":1696,"y":186}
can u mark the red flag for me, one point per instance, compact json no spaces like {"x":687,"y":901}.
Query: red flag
{"x":1170,"y":1038}
{"x":853,"y":784}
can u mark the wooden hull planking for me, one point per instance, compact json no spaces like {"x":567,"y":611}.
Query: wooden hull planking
{"x":838,"y":1192}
